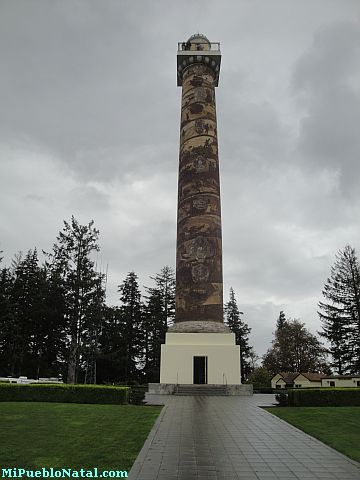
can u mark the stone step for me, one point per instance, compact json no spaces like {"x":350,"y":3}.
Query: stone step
{"x":201,"y":390}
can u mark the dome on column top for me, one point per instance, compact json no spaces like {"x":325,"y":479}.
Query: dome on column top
{"x":199,"y":38}
{"x":198,"y":42}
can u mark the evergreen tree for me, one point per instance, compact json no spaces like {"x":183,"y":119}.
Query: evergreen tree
{"x":31,"y":330}
{"x":7,"y":321}
{"x":38,"y":321}
{"x":281,"y":320}
{"x":241,"y":330}
{"x":27,"y":297}
{"x":55,"y":326}
{"x":165,"y":286}
{"x":340,"y":314}
{"x":284,"y":347}
{"x":295,"y":349}
{"x":72,"y":262}
{"x":131,"y":314}
{"x":95,"y":321}
{"x":159,"y":315}
{"x":112,"y":347}
{"x":154,"y":335}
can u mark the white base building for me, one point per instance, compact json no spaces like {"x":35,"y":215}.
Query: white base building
{"x":200,"y":359}
{"x":200,"y":355}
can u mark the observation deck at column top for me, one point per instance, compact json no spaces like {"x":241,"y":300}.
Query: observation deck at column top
{"x":198,"y":49}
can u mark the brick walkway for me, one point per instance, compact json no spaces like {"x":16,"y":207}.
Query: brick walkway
{"x":231,"y":438}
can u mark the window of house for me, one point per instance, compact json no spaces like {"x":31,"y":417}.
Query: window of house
{"x":358,"y":383}
{"x":332,"y":384}
{"x":297,"y":385}
{"x":278,"y":386}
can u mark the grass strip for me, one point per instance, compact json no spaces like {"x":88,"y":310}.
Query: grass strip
{"x":338,"y":427}
{"x":63,"y":435}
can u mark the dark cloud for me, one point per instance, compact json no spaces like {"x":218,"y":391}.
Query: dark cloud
{"x":79,"y":83}
{"x":326,"y":80}
{"x":90,"y":126}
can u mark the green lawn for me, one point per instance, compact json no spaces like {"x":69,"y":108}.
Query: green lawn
{"x":34,"y":435}
{"x":338,"y":427}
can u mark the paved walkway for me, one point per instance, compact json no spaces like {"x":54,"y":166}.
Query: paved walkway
{"x":232,"y":438}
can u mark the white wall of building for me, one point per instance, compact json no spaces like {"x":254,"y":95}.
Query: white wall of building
{"x":302,"y":382}
{"x":340,"y":382}
{"x":223,"y":357}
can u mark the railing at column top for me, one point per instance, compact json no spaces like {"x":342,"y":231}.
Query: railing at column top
{"x":195,"y":46}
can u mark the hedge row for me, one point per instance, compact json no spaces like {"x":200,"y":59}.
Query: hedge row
{"x":259,"y":389}
{"x":324,"y":397}
{"x":63,"y":393}
{"x":137,"y":394}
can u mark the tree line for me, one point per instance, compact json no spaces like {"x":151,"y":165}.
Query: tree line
{"x":54,"y":320}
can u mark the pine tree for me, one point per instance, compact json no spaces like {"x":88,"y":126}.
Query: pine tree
{"x":131,"y":312}
{"x":28,"y":315}
{"x":55,"y":326}
{"x":281,"y":320}
{"x":112,"y":347}
{"x":284,"y":352}
{"x":31,"y":324}
{"x":165,"y":286}
{"x":241,"y":330}
{"x":159,"y":315}
{"x":7,"y":321}
{"x":38,"y":324}
{"x":340,"y":315}
{"x":154,"y":335}
{"x":71,"y":260}
{"x":94,"y":321}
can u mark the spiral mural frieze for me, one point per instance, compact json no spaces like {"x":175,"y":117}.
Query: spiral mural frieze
{"x":199,"y":245}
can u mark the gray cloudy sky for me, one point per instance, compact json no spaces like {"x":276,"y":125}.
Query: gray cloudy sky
{"x":89,"y":126}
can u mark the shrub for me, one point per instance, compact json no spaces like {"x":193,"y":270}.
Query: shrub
{"x":325,"y":397}
{"x":282,"y":399}
{"x":137,"y":395}
{"x":260,"y":378}
{"x":63,"y":393}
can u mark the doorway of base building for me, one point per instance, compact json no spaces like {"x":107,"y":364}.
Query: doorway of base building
{"x":200,"y":370}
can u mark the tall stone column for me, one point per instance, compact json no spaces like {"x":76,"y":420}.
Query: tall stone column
{"x":199,"y":282}
{"x":199,"y":348}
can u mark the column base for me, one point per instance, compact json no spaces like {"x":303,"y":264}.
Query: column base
{"x":200,"y":358}
{"x":171,"y":389}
